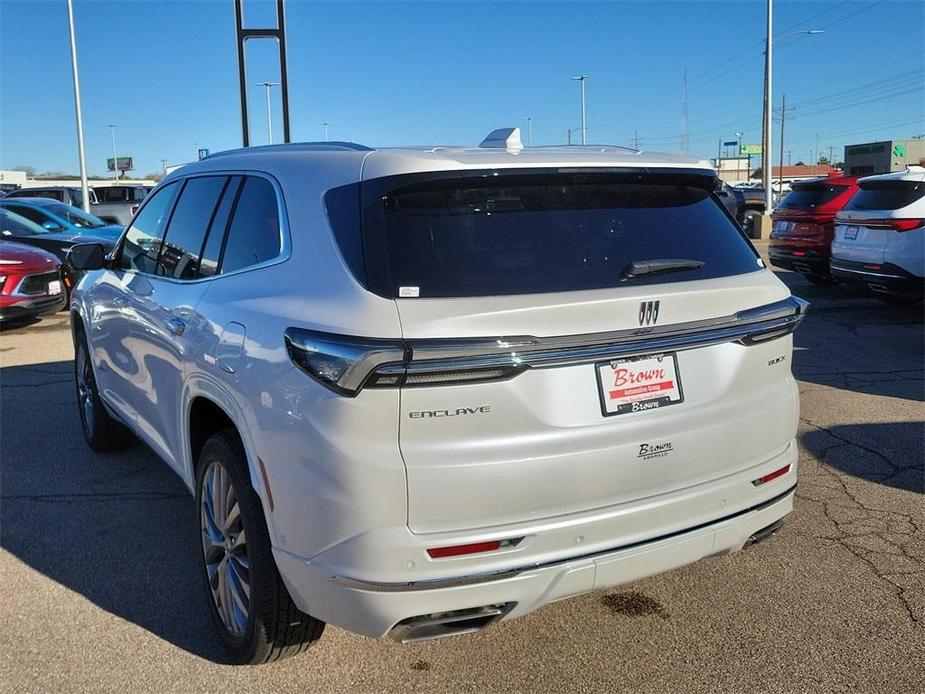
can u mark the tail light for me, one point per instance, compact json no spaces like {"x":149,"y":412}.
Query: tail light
{"x":346,"y":364}
{"x":343,"y":364}
{"x":899,"y":225}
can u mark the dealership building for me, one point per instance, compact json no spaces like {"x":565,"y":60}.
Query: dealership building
{"x":882,"y":157}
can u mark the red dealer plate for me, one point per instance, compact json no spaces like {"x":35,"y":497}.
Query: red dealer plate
{"x":637,"y":384}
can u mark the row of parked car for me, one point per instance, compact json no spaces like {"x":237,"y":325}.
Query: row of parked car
{"x":115,"y":204}
{"x":35,"y":236}
{"x":864,"y":231}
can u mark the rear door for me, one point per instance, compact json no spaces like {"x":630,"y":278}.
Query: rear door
{"x":514,"y":292}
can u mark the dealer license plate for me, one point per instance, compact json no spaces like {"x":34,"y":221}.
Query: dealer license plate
{"x":637,"y":384}
{"x":851,"y":232}
{"x":54,"y":287}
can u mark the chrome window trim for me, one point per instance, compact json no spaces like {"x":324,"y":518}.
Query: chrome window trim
{"x":475,"y":579}
{"x":282,"y":212}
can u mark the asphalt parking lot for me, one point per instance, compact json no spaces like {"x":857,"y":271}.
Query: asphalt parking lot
{"x":100,"y":592}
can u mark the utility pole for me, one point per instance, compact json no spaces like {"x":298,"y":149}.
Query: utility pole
{"x":529,"y":131}
{"x":766,"y":120}
{"x":685,"y":136}
{"x":788,"y":157}
{"x":783,"y":118}
{"x":831,"y":154}
{"x":84,"y":188}
{"x":636,"y":140}
{"x":584,"y":122}
{"x":115,"y":158}
{"x":164,"y":166}
{"x":324,"y":130}
{"x":269,"y":85}
{"x":719,"y":154}
{"x":739,"y":155}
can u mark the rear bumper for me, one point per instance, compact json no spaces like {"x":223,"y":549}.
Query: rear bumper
{"x":884,"y":278}
{"x":723,"y":517}
{"x":20,"y":308}
{"x":807,"y":261}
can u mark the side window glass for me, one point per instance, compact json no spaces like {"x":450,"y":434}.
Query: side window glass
{"x":142,"y":242}
{"x":188,"y":227}
{"x":34,"y":215}
{"x":208,"y":264}
{"x":253,"y":235}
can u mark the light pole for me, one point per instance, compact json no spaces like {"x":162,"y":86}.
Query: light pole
{"x":269,"y":85}
{"x":84,"y":188}
{"x":739,"y":154}
{"x":324,"y":130}
{"x":766,"y":120}
{"x":115,"y":158}
{"x":529,"y":131}
{"x":584,"y":123}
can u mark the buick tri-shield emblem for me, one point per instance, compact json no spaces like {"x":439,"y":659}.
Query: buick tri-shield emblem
{"x":648,"y":312}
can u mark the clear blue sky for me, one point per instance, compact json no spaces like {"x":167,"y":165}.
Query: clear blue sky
{"x":448,"y":72}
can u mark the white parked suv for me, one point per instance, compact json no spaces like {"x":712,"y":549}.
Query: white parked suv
{"x":880,"y":236}
{"x":417,"y":391}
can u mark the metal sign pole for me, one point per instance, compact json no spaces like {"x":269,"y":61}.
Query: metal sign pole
{"x":242,"y":36}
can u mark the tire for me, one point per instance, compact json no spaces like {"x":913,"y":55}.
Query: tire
{"x":821,"y":280}
{"x":243,"y":575}
{"x":748,"y":222}
{"x":102,"y":431}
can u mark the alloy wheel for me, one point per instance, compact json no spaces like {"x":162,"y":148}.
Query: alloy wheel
{"x":224,"y":546}
{"x":86,"y":388}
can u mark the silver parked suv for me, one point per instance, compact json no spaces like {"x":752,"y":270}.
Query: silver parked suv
{"x":416,"y":391}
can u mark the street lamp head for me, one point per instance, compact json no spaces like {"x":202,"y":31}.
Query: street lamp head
{"x":580,"y":78}
{"x":267,"y":84}
{"x":815,"y":31}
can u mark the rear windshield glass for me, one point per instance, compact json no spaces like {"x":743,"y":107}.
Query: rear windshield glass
{"x":886,"y":195}
{"x":810,"y":196}
{"x":535,"y":233}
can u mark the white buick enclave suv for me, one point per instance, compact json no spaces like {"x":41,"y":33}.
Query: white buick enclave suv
{"x":416,"y":391}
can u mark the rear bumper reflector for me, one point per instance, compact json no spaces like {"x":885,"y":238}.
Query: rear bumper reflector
{"x":771,"y":476}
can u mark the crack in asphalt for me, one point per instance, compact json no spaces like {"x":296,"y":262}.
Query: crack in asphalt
{"x":862,"y":530}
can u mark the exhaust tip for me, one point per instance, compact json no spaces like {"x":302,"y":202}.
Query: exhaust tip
{"x":765,"y":533}
{"x":439,"y":625}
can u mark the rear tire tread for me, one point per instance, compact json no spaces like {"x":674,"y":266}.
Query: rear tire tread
{"x":281,"y":630}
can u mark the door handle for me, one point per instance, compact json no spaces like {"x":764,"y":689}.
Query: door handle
{"x":176,"y":326}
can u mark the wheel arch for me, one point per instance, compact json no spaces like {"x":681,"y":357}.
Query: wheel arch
{"x":209,"y":409}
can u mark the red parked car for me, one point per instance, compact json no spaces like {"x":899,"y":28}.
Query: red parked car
{"x":31,"y":283}
{"x":804,"y":225}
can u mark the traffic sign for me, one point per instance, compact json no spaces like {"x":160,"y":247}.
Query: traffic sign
{"x":749,"y":149}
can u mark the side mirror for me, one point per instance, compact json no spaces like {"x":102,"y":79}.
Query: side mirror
{"x":86,"y":256}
